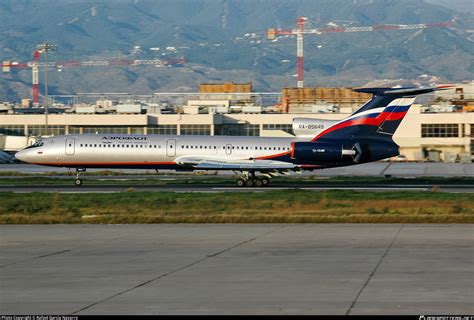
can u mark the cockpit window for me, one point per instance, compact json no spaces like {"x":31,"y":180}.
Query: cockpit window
{"x":36,"y":144}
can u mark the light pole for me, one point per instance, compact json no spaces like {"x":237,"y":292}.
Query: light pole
{"x":46,"y":47}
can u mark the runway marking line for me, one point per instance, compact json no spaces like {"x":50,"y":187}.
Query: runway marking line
{"x":375,"y":270}
{"x":209,"y":256}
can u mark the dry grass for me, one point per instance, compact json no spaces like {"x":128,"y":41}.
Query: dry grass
{"x":289,"y":206}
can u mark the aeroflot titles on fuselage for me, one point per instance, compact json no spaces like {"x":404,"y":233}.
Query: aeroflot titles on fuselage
{"x":134,"y":138}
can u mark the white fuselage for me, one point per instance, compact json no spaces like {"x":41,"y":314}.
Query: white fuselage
{"x":149,"y":151}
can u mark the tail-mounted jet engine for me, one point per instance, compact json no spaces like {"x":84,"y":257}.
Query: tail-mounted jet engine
{"x":317,"y":152}
{"x":326,"y":152}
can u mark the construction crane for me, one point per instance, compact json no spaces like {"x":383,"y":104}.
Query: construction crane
{"x":272,"y":33}
{"x":36,"y":64}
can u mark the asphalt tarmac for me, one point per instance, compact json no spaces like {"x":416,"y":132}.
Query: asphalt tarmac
{"x":237,"y":269}
{"x":395,"y":169}
{"x":212,"y":188}
{"x":375,"y":169}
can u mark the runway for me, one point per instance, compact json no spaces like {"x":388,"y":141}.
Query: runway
{"x":373,"y":169}
{"x":210,"y":188}
{"x":237,"y":269}
{"x":109,"y":184}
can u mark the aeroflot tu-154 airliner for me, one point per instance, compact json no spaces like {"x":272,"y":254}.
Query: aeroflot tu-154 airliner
{"x":364,"y":136}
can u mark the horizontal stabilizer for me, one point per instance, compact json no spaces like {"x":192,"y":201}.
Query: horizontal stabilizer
{"x":407,"y":91}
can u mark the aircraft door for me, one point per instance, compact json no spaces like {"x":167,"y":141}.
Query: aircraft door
{"x":70,"y":146}
{"x":228,"y":149}
{"x":171,"y":147}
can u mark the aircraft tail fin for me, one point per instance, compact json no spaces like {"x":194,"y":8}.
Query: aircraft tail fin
{"x":380,"y":116}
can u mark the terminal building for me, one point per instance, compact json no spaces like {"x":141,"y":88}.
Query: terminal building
{"x":444,"y":135}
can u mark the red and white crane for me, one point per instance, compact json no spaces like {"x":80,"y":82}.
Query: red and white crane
{"x":272,"y":33}
{"x":36,"y":64}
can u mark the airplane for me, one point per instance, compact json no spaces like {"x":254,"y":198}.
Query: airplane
{"x":364,"y":136}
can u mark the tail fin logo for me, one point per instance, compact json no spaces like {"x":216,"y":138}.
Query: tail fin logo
{"x":380,"y":117}
{"x":385,"y":110}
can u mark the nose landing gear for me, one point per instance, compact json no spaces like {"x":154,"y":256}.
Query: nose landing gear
{"x":78,"y":181}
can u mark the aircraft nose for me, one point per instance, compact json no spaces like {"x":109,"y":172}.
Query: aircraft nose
{"x":22,"y":155}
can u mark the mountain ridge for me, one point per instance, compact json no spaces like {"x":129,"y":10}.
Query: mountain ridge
{"x":225,"y":41}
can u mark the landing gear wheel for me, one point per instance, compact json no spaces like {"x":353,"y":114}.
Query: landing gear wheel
{"x":265,"y":182}
{"x":258,"y":183}
{"x":249,"y":183}
{"x":78,"y":181}
{"x":240,"y":183}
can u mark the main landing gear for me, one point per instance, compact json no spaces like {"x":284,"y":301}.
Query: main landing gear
{"x":249,"y":180}
{"x":78,"y":181}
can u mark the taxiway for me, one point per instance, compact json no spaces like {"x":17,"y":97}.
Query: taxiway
{"x":237,"y":269}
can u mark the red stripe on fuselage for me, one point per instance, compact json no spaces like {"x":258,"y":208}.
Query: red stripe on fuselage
{"x":85,"y":164}
{"x":273,"y":156}
{"x":377,"y":121}
{"x":309,"y":166}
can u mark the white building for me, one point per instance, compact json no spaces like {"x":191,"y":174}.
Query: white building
{"x":452,"y":134}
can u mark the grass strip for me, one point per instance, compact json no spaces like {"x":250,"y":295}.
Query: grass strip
{"x":279,"y":206}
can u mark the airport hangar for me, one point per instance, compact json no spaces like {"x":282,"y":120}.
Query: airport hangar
{"x":449,"y":136}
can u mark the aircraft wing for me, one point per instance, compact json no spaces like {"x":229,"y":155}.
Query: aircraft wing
{"x":236,"y":164}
